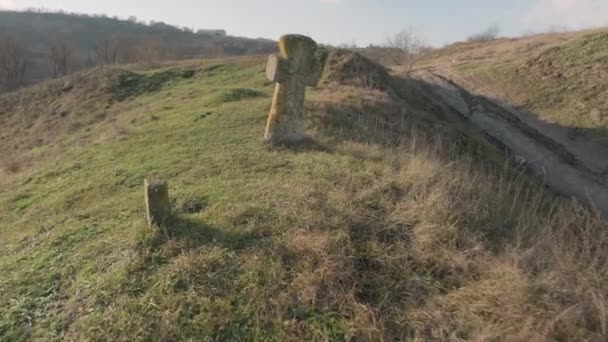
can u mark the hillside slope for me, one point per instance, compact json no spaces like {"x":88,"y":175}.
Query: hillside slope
{"x":396,"y":221}
{"x":91,"y":39}
{"x":545,"y":97}
{"x":559,"y":78}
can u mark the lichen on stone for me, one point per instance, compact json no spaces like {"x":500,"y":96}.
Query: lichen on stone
{"x":299,"y":64}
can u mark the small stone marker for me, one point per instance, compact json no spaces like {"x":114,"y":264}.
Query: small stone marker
{"x":158,"y":205}
{"x":298,"y":65}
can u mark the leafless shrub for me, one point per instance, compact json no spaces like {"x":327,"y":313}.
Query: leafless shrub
{"x":558,"y":29}
{"x":489,"y":34}
{"x":405,"y":47}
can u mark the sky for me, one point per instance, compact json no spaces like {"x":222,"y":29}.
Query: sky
{"x":363,"y":22}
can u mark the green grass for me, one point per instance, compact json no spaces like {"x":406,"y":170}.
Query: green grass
{"x":564,"y":83}
{"x":71,"y":232}
{"x":63,"y":236}
{"x":349,"y":237}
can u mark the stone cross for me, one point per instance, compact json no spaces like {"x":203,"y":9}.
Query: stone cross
{"x":158,"y":205}
{"x":299,"y":64}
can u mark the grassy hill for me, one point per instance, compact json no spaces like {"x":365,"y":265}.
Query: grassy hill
{"x":396,"y":221}
{"x":131,"y":40}
{"x":561,"y":77}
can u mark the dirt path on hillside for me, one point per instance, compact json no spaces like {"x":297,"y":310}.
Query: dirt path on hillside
{"x":575,"y":169}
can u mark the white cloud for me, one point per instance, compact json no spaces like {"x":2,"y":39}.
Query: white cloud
{"x":573,"y":14}
{"x":7,"y":4}
{"x":333,"y":2}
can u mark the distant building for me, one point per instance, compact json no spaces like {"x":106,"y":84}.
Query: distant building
{"x":217,"y":33}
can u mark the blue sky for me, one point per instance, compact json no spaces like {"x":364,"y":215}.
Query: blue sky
{"x":346,"y":21}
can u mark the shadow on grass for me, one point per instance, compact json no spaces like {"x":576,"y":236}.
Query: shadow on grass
{"x":309,"y":144}
{"x":191,"y":233}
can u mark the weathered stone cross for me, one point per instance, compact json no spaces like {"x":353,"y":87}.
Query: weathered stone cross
{"x":298,"y":65}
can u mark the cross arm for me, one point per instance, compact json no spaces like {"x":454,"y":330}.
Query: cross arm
{"x":316,"y":68}
{"x":277,"y":69}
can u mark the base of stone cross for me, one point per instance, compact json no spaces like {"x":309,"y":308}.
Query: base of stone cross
{"x":286,"y":120}
{"x":158,"y":204}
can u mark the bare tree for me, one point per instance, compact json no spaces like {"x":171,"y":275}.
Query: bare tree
{"x":406,"y":48}
{"x":127,"y":51}
{"x":107,"y":49}
{"x":348,"y":46}
{"x":213,"y":48}
{"x":558,"y":29}
{"x":60,"y":56}
{"x":217,"y":49}
{"x":149,"y":52}
{"x":90,"y":61}
{"x":489,"y":34}
{"x":13,"y":63}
